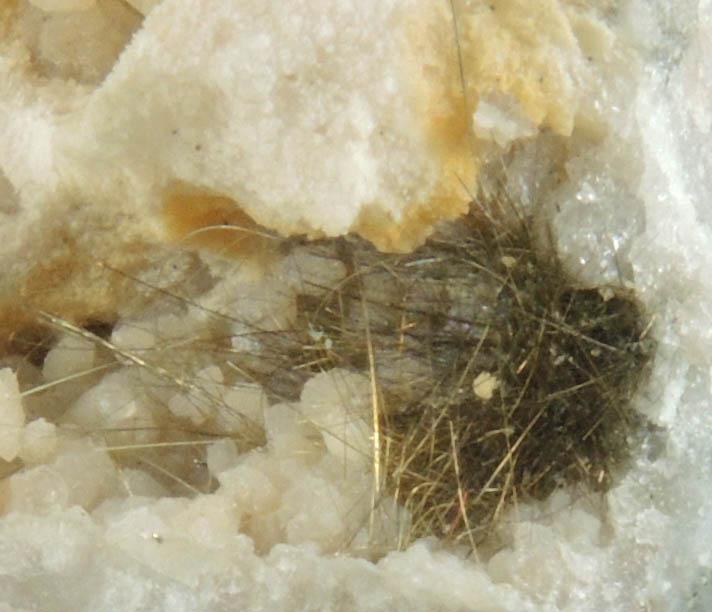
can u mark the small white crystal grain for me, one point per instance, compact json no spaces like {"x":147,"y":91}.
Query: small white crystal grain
{"x":12,"y":416}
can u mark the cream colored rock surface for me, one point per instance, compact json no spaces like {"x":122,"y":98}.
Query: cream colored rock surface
{"x":310,"y":117}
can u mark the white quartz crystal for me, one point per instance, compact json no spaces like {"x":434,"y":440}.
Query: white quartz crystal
{"x":71,"y":355}
{"x":12,"y":416}
{"x":339,"y":403}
